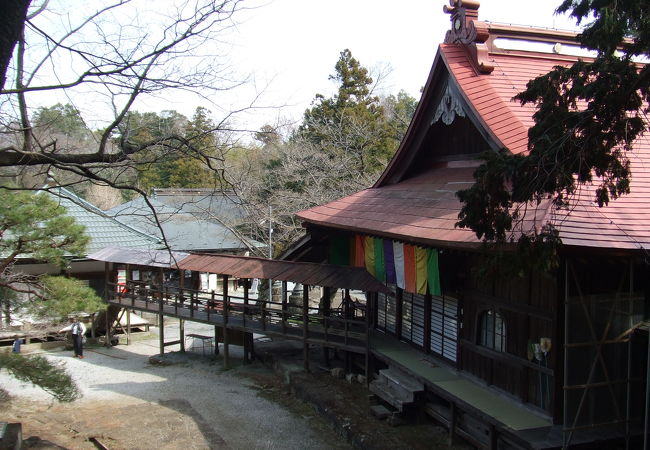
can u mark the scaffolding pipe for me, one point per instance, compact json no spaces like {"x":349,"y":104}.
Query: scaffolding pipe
{"x":647,"y":397}
{"x":566,"y":355}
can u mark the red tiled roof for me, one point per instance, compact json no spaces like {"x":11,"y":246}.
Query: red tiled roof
{"x":424,"y":209}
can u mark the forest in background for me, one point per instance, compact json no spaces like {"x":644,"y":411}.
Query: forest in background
{"x":340,"y":146}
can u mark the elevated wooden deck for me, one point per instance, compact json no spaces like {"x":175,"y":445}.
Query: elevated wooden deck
{"x":237,"y":313}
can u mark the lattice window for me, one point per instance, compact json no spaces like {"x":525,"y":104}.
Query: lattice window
{"x":413,"y":318}
{"x":444,"y":327}
{"x":387,"y":311}
{"x":492,"y":331}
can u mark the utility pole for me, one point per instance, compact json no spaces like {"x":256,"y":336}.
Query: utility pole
{"x":270,"y":249}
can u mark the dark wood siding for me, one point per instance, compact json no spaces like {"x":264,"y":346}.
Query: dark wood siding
{"x":528,"y":308}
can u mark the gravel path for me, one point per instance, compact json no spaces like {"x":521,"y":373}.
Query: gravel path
{"x":192,"y":403}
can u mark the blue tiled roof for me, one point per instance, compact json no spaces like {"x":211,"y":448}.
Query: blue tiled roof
{"x":103,"y":230}
{"x":188,"y":221}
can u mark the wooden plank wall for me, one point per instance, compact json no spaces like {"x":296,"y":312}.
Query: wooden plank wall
{"x":528,"y":306}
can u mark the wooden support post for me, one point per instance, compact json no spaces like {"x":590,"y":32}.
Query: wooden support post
{"x":161,"y":326}
{"x":128,"y":285}
{"x":246,"y":344}
{"x":245,"y":303}
{"x":494,"y":438}
{"x":216,"y":340}
{"x":370,"y":297}
{"x":107,"y":295}
{"x":305,"y":321}
{"x":181,"y":288}
{"x":181,"y":334}
{"x":128,"y":326}
{"x":226,"y":306}
{"x":452,"y":423}
{"x":284,"y":307}
{"x":251,"y":346}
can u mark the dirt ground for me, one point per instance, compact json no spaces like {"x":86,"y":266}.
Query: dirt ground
{"x":128,"y":409}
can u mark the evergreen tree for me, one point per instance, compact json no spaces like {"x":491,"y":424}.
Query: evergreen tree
{"x":190,"y":169}
{"x":352,"y":121}
{"x":588,"y":116}
{"x":35,"y":226}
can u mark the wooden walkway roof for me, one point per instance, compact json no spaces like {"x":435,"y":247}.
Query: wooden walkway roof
{"x":313,"y":274}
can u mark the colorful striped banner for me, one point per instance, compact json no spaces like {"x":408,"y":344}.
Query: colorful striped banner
{"x":380,"y":267}
{"x":398,"y":255}
{"x":433,"y":273}
{"x":410,"y":284}
{"x":369,"y":250}
{"x":359,"y":257}
{"x":389,"y":261}
{"x":421,"y":270}
{"x":412,"y":268}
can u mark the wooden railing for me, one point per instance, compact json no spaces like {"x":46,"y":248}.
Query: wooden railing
{"x":345,"y":327}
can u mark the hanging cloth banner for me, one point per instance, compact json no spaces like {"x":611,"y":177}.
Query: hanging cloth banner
{"x":421,"y":270}
{"x":398,"y":255}
{"x":433,"y":272}
{"x":389,"y":262}
{"x":409,"y":268}
{"x":380,"y":267}
{"x":339,"y":250}
{"x":369,"y":249}
{"x":359,"y":257}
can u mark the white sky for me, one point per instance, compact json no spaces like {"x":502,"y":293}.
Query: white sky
{"x":293,"y":45}
{"x":290,"y":47}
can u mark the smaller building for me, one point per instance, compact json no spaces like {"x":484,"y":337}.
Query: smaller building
{"x":190,"y":220}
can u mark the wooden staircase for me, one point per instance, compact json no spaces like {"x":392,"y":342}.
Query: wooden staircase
{"x":397,"y":388}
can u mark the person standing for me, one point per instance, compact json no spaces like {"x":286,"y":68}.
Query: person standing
{"x":78,"y":330}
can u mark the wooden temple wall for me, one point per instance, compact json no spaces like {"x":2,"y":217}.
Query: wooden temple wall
{"x":527,"y":307}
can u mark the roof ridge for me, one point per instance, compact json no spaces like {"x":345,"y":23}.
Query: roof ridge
{"x":85,"y":204}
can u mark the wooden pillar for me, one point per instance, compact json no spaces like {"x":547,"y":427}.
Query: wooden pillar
{"x":305,"y":321}
{"x":452,"y":423}
{"x":246,"y":281}
{"x":128,"y":285}
{"x":216,"y":340}
{"x":181,"y":334}
{"x":370,"y":297}
{"x":245,"y":343}
{"x":181,"y":287}
{"x":161,"y":324}
{"x":226,"y":306}
{"x":284,"y":307}
{"x":107,"y":275}
{"x":128,"y":326}
{"x":325,"y":305}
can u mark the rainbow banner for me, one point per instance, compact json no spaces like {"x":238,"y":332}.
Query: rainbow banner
{"x":398,"y":257}
{"x":412,"y":268}
{"x":369,"y":250}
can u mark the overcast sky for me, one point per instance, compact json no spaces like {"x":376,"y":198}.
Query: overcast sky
{"x":288,"y":48}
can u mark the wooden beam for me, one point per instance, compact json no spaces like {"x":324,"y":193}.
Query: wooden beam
{"x":181,"y":334}
{"x":226,"y":306}
{"x":452,"y":423}
{"x":128,"y":326}
{"x":305,"y":321}
{"x":216,"y":340}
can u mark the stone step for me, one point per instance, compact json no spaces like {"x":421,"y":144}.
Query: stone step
{"x":401,"y":382}
{"x":388,"y":394}
{"x":380,"y":411}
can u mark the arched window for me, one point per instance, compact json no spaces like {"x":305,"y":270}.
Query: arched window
{"x":492,"y":331}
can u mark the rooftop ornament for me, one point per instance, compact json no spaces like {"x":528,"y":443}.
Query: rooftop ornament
{"x":467,"y":30}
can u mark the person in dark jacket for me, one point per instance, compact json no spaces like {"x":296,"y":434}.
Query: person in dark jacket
{"x":77,"y":330}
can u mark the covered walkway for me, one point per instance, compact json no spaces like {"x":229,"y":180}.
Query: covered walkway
{"x":167,"y":284}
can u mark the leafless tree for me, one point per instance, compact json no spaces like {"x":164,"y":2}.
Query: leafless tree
{"x":111,"y":53}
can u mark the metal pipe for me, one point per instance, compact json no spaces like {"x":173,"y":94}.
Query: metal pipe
{"x":647,"y":396}
{"x":565,"y":406}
